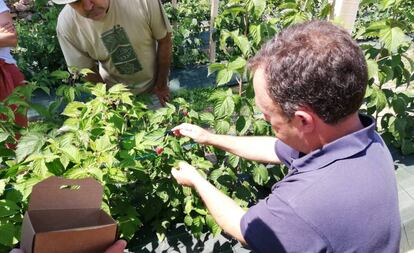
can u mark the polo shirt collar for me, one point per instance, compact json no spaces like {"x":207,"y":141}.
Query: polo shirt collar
{"x":344,"y":147}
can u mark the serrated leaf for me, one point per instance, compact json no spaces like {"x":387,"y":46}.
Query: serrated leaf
{"x":72,"y":153}
{"x":399,"y":105}
{"x":224,"y":76}
{"x":224,"y":108}
{"x":237,"y":64}
{"x":206,"y":117}
{"x":73,"y":109}
{"x":222,"y":127}
{"x":188,"y":221}
{"x":392,"y":38}
{"x":60,"y":74}
{"x":7,"y":231}
{"x":188,"y":206}
{"x":260,"y":175}
{"x":29,"y":144}
{"x":214,"y":67}
{"x":8,"y":208}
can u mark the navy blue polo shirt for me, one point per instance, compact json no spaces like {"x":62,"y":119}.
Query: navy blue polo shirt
{"x":339,"y":198}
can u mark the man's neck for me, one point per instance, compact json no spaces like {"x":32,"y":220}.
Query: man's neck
{"x":327,"y":133}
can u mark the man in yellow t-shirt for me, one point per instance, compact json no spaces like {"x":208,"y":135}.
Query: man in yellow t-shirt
{"x":122,"y":41}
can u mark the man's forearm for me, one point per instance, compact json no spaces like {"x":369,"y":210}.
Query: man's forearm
{"x":224,"y":210}
{"x":255,"y":148}
{"x":163,"y":60}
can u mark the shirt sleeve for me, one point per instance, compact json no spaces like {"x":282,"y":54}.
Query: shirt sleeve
{"x":285,"y":153}
{"x":273,"y":226}
{"x":158,"y":21}
{"x":3,"y":7}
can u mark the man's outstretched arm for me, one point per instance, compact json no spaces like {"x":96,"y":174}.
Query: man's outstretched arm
{"x":255,"y":148}
{"x":224,"y":210}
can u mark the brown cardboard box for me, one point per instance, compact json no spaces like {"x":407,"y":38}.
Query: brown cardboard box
{"x":65,"y":216}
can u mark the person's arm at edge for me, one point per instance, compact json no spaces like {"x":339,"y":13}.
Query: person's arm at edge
{"x":164,"y":51}
{"x":224,"y":210}
{"x":255,"y":148}
{"x":8,"y":34}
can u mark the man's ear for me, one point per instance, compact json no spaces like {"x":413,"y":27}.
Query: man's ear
{"x":305,"y":120}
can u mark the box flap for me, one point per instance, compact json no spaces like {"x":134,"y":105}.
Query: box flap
{"x":60,"y":193}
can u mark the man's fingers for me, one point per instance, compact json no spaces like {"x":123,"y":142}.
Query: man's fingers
{"x":174,"y":172}
{"x":117,"y":247}
{"x":17,"y":251}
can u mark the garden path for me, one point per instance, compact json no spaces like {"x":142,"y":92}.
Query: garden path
{"x":405,"y":180}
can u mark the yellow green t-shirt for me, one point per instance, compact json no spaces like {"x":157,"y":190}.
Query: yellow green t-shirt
{"x":123,"y":42}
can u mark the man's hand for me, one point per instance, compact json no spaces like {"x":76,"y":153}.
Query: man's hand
{"x":117,"y":247}
{"x":196,"y":133}
{"x":186,"y":175}
{"x":162,"y":92}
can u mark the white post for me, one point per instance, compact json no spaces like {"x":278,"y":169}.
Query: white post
{"x":345,"y":12}
{"x":213,"y":15}
{"x":174,"y":5}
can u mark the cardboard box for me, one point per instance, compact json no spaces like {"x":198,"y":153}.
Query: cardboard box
{"x":65,"y":216}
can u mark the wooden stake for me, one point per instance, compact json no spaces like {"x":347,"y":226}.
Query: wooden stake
{"x":212,"y":43}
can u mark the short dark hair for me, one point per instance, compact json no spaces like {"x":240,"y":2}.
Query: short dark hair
{"x":314,"y":64}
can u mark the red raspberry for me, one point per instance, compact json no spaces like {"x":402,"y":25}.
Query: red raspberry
{"x":159,"y":150}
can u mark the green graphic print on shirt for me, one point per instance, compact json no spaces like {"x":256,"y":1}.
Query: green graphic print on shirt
{"x":122,"y":53}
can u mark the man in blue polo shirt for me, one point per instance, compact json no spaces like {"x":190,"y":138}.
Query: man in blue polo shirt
{"x":340,"y":194}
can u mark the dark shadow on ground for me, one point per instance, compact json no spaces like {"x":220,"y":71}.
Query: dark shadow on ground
{"x":179,"y":239}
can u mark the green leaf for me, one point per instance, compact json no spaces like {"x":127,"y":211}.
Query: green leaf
{"x":215,"y":67}
{"x":4,"y":136}
{"x":212,"y":225}
{"x":2,"y":186}
{"x":392,"y":38}
{"x":399,"y":105}
{"x":259,"y":7}
{"x":29,"y":144}
{"x":237,"y":64}
{"x":224,"y":76}
{"x":85,"y":72}
{"x":188,"y":206}
{"x":73,"y":109}
{"x":222,"y":127}
{"x":372,"y":69}
{"x":233,"y":160}
{"x":103,"y":143}
{"x":60,"y":74}
{"x":7,"y":231}
{"x":197,"y":226}
{"x":40,"y":168}
{"x":188,"y":221}
{"x":260,"y":175}
{"x":385,"y":4}
{"x":76,"y":172}
{"x":242,"y":125}
{"x":407,"y":147}
{"x":206,"y":117}
{"x":224,"y":108}
{"x":72,"y":153}
{"x":8,"y":208}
